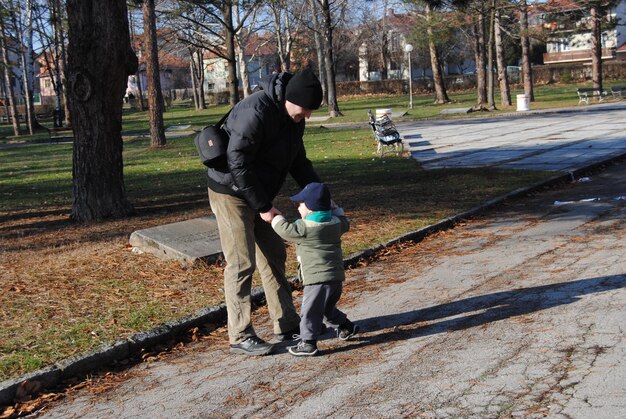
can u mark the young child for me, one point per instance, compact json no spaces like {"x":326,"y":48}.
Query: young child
{"x":317,"y":236}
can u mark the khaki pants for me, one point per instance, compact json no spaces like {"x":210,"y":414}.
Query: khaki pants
{"x":247,"y":239}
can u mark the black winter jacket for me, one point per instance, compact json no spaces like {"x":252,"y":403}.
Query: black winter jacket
{"x":265,"y":145}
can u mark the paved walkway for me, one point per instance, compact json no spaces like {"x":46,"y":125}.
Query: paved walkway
{"x":559,"y":140}
{"x":521,"y":313}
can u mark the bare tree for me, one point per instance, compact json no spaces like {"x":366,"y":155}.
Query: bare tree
{"x":383,"y":31}
{"x":597,"y":10}
{"x":24,"y":30}
{"x":153,"y":75}
{"x":197,"y":76}
{"x":51,"y":29}
{"x":134,"y":45}
{"x":60,"y":62}
{"x":491,"y":84}
{"x":441,"y":95}
{"x":217,"y":20}
{"x":328,"y":8}
{"x":503,"y":79}
{"x":8,"y":66}
{"x":186,"y":34}
{"x":286,"y":19}
{"x":527,"y":71}
{"x":480,"y":54}
{"x":596,"y":45}
{"x":438,"y":32}
{"x":252,"y":28}
{"x":100,"y":59}
{"x":320,"y":47}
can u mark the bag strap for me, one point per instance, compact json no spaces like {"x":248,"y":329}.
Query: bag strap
{"x":221,"y":121}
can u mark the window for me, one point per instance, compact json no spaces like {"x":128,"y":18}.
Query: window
{"x":562,"y":45}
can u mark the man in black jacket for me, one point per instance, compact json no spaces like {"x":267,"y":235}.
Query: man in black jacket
{"x":265,"y":131}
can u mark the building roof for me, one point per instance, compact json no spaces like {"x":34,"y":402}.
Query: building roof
{"x":167,"y":59}
{"x":403,"y":22}
{"x":259,"y":45}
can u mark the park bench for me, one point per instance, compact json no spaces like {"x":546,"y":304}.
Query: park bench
{"x":618,"y":91}
{"x":60,"y":133}
{"x":586,"y":94}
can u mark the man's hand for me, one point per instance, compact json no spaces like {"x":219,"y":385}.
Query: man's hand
{"x":268,"y":216}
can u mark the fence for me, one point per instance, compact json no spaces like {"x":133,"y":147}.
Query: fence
{"x":542,"y":74}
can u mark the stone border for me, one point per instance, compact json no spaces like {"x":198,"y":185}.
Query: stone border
{"x":108,"y":353}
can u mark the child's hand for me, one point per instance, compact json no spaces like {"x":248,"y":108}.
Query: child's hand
{"x":269,"y":215}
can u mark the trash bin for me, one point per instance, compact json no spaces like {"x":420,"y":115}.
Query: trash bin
{"x":523,"y":103}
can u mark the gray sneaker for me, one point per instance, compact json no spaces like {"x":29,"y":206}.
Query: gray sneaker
{"x":304,"y":348}
{"x":252,"y":346}
{"x":347,"y":330}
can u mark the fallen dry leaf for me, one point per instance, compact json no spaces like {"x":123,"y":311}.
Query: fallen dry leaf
{"x":26,"y":390}
{"x":8,"y":413}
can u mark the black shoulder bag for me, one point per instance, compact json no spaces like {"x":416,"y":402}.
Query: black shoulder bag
{"x":212,"y":143}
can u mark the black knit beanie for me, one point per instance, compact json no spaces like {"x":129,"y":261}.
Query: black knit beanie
{"x":304,"y":89}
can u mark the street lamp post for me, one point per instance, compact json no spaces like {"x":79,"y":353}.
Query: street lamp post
{"x":408,"y":48}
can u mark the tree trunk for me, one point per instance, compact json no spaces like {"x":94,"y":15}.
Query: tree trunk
{"x":60,"y":65}
{"x":384,"y":45}
{"x":142,"y":104}
{"x":233,"y":82}
{"x":527,"y":71}
{"x":26,"y":60}
{"x":63,"y":61}
{"x":139,"y":97}
{"x":481,"y":86}
{"x":100,"y":59}
{"x":319,"y":46}
{"x":194,"y":82}
{"x":59,"y":109}
{"x":503,"y":79}
{"x":441,"y":96}
{"x":491,"y":82}
{"x":596,"y":47}
{"x":7,"y":70}
{"x":3,"y":91}
{"x":282,"y":45}
{"x":197,"y":78}
{"x":155,"y":95}
{"x":201,"y":95}
{"x":333,"y":106}
{"x":243,"y":71}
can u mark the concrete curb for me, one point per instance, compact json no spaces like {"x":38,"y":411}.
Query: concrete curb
{"x":107,"y":354}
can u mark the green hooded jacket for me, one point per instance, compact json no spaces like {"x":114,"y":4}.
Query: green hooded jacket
{"x":318,"y":246}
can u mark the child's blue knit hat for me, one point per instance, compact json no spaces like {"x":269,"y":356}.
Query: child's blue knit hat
{"x":315,"y":196}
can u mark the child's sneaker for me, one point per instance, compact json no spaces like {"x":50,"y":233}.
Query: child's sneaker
{"x":347,"y":330}
{"x":304,"y":348}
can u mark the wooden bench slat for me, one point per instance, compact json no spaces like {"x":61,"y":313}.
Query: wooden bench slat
{"x":57,"y":133}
